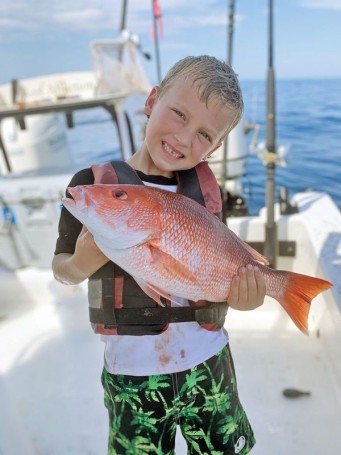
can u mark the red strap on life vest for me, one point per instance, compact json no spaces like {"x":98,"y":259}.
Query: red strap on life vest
{"x":119,"y":291}
{"x":209,"y":188}
{"x":104,"y":173}
{"x":118,"y":304}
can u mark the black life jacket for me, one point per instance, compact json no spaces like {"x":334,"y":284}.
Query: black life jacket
{"x":117,"y":304}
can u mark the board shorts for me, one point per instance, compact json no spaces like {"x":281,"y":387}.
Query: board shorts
{"x":144,"y":411}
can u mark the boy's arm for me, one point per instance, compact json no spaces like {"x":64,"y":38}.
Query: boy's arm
{"x":247,"y":289}
{"x":76,"y":254}
{"x":87,"y":259}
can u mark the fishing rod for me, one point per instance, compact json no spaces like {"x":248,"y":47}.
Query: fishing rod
{"x":156,"y":18}
{"x":123,"y":25}
{"x":271,"y":243}
{"x":123,"y":15}
{"x":230,"y":29}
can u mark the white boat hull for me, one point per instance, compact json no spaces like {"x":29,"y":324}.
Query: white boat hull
{"x":47,"y":349}
{"x":29,"y":216}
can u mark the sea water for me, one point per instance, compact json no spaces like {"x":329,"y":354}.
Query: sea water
{"x":308,"y":128}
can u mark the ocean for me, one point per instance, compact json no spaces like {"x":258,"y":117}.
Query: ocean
{"x":308,"y":127}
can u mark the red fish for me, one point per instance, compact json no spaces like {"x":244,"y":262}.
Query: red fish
{"x":173,"y":246}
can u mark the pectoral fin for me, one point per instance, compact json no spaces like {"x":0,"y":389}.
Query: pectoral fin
{"x":158,"y":295}
{"x":169,"y":266}
{"x":153,"y":292}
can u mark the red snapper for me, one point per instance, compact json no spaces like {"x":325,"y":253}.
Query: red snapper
{"x":173,"y":246}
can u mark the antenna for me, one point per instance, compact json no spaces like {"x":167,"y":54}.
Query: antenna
{"x":271,"y":244}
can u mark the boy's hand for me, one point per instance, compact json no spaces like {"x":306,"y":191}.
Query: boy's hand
{"x":247,"y":289}
{"x":87,"y":256}
{"x":86,"y":260}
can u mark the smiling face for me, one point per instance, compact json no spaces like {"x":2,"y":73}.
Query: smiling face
{"x":182,"y":130}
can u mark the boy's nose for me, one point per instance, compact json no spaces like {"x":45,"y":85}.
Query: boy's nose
{"x":184,"y":136}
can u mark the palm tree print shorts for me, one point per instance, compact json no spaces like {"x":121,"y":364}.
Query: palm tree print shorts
{"x":144,"y":411}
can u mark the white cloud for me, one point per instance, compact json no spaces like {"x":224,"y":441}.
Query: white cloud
{"x":179,"y":16}
{"x":106,"y":14}
{"x":7,"y":22}
{"x":84,"y":19}
{"x":321,"y":4}
{"x":82,"y":14}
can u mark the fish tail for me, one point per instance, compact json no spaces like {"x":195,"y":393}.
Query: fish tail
{"x":298,"y":294}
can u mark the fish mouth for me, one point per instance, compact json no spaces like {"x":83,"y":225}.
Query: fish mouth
{"x":78,"y":199}
{"x":68,"y":202}
{"x":74,"y":193}
{"x":171,"y":151}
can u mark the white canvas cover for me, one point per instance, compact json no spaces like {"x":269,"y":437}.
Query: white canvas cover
{"x":117,"y":66}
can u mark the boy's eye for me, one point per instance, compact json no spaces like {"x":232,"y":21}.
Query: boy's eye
{"x":205,"y":136}
{"x":180,"y":114}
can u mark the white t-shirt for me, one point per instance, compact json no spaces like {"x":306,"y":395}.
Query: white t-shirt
{"x":182,"y":346}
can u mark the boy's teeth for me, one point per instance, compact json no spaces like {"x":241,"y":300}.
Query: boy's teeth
{"x":171,"y":151}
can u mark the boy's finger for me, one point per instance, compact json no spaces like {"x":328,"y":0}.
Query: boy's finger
{"x":243,"y":285}
{"x":261,"y":286}
{"x":233,"y":296}
{"x":252,"y":287}
{"x":84,"y":229}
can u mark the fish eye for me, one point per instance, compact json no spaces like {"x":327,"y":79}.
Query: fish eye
{"x":120,"y":194}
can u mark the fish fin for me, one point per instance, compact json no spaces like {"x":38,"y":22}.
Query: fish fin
{"x":164,"y":261}
{"x":156,"y":293}
{"x":152,"y":292}
{"x":255,"y":254}
{"x":297,"y":296}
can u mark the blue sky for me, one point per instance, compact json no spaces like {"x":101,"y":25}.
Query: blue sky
{"x":39,"y":37}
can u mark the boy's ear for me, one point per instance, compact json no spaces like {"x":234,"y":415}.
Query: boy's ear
{"x":150,"y":101}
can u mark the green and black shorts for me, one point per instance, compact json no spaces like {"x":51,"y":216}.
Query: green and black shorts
{"x":144,"y":411}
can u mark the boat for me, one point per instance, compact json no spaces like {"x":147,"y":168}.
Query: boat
{"x":290,"y":384}
{"x":36,"y":161}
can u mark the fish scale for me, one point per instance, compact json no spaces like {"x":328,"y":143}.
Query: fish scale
{"x":173,"y":246}
{"x":201,"y":246}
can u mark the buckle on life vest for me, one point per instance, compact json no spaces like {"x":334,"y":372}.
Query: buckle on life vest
{"x":212,"y":312}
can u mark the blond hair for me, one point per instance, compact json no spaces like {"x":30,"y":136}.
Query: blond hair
{"x":214,"y":80}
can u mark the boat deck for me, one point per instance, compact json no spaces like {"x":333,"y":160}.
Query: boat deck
{"x":51,"y":396}
{"x":60,"y":105}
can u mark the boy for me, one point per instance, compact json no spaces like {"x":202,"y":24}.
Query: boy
{"x":156,"y":378}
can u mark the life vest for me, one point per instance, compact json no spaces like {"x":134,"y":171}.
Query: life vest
{"x":117,"y":304}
